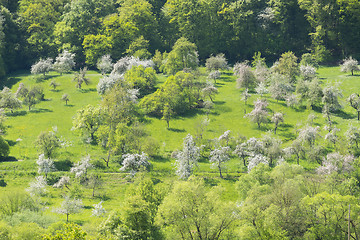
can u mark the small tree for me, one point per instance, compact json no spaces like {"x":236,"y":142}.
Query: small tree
{"x":336,"y":162}
{"x":219,"y":156}
{"x":104,"y":64}
{"x":167,"y":113}
{"x":37,"y":187}
{"x":47,"y":143}
{"x":350,"y":65}
{"x":187,"y":159}
{"x":45,"y":165}
{"x":70,"y":206}
{"x":8,"y":100}
{"x":64,"y":181}
{"x":80,"y":78}
{"x":309,"y":135}
{"x":307,"y":72}
{"x":246,"y":78}
{"x":259,"y":114}
{"x":209,"y":91}
{"x":54,"y":84}
{"x":30,"y":96}
{"x":106,"y":83}
{"x":216,"y":63}
{"x":81,"y":167}
{"x":353,"y":136}
{"x":87,"y":120}
{"x":98,"y":210}
{"x":64,"y":62}
{"x":261,"y":89}
{"x":65,"y":98}
{"x":214,"y":75}
{"x":287,"y":65}
{"x":256,"y":160}
{"x":94,"y":182}
{"x":134,"y":162}
{"x":354,"y":100}
{"x":42,"y":66}
{"x":280,"y":86}
{"x":276,"y":119}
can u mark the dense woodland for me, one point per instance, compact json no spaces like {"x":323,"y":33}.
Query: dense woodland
{"x":176,"y":119}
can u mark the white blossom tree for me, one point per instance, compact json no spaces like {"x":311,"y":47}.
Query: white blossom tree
{"x":134,"y":162}
{"x":350,"y":65}
{"x":353,"y":136}
{"x":98,"y":210}
{"x":187,"y":158}
{"x":214,"y":75}
{"x":108,"y":82}
{"x":81,"y":167}
{"x":225,"y":137}
{"x":45,"y":165}
{"x":216,"y":62}
{"x":259,"y":114}
{"x":261,"y":89}
{"x":335,"y":162}
{"x":8,"y":100}
{"x":280,"y":86}
{"x":64,"y":181}
{"x":37,"y":187}
{"x":126,"y":63}
{"x":354,"y":100}
{"x":70,"y":206}
{"x":242,"y":152}
{"x":256,"y":160}
{"x":307,"y":72}
{"x":246,"y":77}
{"x":64,"y":62}
{"x":277,"y":118}
{"x":309,"y":135}
{"x":218,"y":157}
{"x":104,"y":64}
{"x":42,"y":66}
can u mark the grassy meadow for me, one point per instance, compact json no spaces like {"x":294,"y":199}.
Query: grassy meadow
{"x":24,"y":126}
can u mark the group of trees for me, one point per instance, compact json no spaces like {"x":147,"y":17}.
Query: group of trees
{"x":92,"y":28}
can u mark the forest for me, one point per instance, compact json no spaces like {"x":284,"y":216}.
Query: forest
{"x":196,"y":119}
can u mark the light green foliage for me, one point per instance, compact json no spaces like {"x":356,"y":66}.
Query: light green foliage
{"x":141,"y":78}
{"x":139,"y":48}
{"x":69,"y":231}
{"x":13,"y":202}
{"x":8,"y":100}
{"x":218,"y":62}
{"x":95,"y":46}
{"x":182,"y":56}
{"x":158,"y":60}
{"x":287,"y":65}
{"x":4,"y":148}
{"x":87,"y":120}
{"x":191,"y":210}
{"x":27,"y":231}
{"x":167,"y":114}
{"x":47,"y":143}
{"x":30,"y":96}
{"x":80,"y":78}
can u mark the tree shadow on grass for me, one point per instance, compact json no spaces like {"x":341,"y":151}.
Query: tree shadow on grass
{"x":11,"y":143}
{"x":160,"y":159}
{"x":87,"y":90}
{"x":11,"y":81}
{"x":345,"y":115}
{"x":40,"y":110}
{"x":16,"y":113}
{"x":55,"y":90}
{"x":176,"y":130}
{"x":8,"y":159}
{"x":69,"y":105}
{"x":227,"y":78}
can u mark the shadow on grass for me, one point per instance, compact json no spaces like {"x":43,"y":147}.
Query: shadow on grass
{"x":11,"y":81}
{"x":345,"y":115}
{"x":211,"y":182}
{"x":42,"y":78}
{"x":87,"y":90}
{"x":69,"y":105}
{"x":11,"y":143}
{"x":17,"y":113}
{"x":8,"y":159}
{"x":176,"y":130}
{"x":55,"y":90}
{"x":219,"y":102}
{"x":41,"y":110}
{"x":160,"y":159}
{"x":227,"y":78}
{"x":286,"y":134}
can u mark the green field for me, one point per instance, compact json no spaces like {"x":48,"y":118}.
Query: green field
{"x":228,"y":114}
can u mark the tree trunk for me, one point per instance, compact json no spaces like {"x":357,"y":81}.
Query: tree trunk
{"x":168,"y":123}
{"x":220,"y":172}
{"x":358,"y":115}
{"x":67,"y":217}
{"x":275,"y":129}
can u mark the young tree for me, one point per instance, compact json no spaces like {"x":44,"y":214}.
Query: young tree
{"x":108,"y":82}
{"x":104,"y":64}
{"x":182,"y":56}
{"x":242,"y":151}
{"x":261,"y":89}
{"x":245,"y":95}
{"x":47,"y":143}
{"x":94,"y":182}
{"x":214,"y":76}
{"x":80,"y":78}
{"x":335,"y":162}
{"x":187,"y":159}
{"x":350,"y":65}
{"x":8,"y":100}
{"x":134,"y":162}
{"x":354,"y":100}
{"x":167,"y":114}
{"x":215,"y":63}
{"x":280,"y":86}
{"x":296,"y":148}
{"x":37,"y":187}
{"x":255,"y":160}
{"x":259,"y":114}
{"x":246,"y":78}
{"x":70,"y":206}
{"x":45,"y":165}
{"x":209,"y":91}
{"x":64,"y":181}
{"x":30,"y":96}
{"x":98,"y":210}
{"x":54,"y":84}
{"x":309,"y":135}
{"x":87,"y":120}
{"x":65,"y":98}
{"x":353,"y":136}
{"x":307,"y":72}
{"x":276,"y":119}
{"x":225,"y":137}
{"x":81,"y":167}
{"x":288,"y":66}
{"x":64,"y":62}
{"x":219,"y":156}
{"x":42,"y":66}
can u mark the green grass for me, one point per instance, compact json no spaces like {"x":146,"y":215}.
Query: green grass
{"x":228,"y":114}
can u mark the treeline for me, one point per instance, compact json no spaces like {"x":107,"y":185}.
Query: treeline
{"x":31,"y":29}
